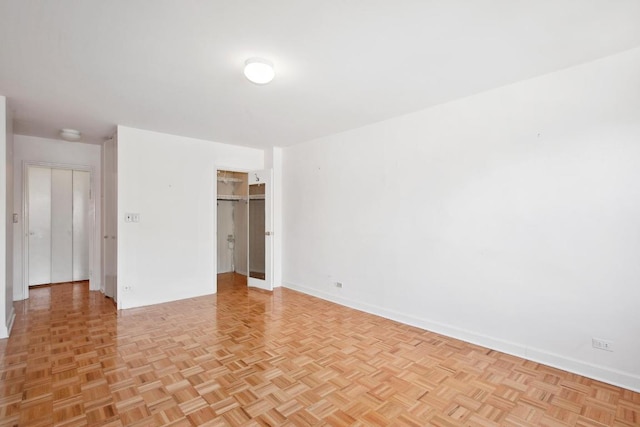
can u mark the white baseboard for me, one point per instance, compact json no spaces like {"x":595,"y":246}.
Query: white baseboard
{"x":611,"y":376}
{"x":5,"y":330}
{"x":12,"y":318}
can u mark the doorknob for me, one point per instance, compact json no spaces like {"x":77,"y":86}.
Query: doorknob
{"x":268,"y":233}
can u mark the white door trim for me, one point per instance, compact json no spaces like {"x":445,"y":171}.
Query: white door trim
{"x":108,"y":194}
{"x":218,"y":168}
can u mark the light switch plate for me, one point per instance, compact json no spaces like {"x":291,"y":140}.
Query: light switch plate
{"x":132,"y":217}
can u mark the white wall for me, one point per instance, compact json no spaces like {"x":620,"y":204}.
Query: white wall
{"x":8,"y":220}
{"x":33,"y":149}
{"x":170,"y":181}
{"x":6,"y":290}
{"x":508,"y":219}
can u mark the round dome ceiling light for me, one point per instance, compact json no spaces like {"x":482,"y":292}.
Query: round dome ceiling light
{"x":70,"y":134}
{"x":259,"y":71}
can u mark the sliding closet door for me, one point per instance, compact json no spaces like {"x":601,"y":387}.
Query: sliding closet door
{"x":81,"y":231}
{"x":39,"y":235}
{"x":61,"y":225}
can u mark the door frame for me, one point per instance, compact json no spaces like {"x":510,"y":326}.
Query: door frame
{"x":216,"y":169}
{"x":108,"y":215}
{"x":24,"y":235}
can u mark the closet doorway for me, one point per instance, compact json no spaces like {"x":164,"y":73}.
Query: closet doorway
{"x":244,"y":229}
{"x":58,"y":222}
{"x":232,"y":228}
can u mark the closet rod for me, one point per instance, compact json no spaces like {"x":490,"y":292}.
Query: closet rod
{"x":232,"y":198}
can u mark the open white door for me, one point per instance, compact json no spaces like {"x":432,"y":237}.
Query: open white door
{"x":260,"y":230}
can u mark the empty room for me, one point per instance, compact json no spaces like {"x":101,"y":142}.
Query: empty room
{"x":329,"y":213}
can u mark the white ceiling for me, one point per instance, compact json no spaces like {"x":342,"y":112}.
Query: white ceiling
{"x":176,"y":66}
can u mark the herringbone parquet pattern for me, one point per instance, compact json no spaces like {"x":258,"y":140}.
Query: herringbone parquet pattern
{"x":248,"y":357}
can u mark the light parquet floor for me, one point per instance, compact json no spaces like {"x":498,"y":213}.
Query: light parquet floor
{"x":248,"y":357}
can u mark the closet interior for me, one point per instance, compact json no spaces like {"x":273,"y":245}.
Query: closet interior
{"x":233,"y":226}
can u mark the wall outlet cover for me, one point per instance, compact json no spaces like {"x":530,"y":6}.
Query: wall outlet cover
{"x":601,"y":344}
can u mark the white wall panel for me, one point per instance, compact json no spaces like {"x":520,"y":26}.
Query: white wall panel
{"x":171,"y":253}
{"x":509,"y":218}
{"x":6,"y":217}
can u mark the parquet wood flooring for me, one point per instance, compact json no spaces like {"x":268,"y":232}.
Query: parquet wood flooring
{"x":247,"y":357}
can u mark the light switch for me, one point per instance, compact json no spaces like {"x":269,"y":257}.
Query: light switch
{"x":132,"y":217}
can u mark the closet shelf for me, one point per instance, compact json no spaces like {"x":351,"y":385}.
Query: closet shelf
{"x":232,"y":197}
{"x":229,"y":179}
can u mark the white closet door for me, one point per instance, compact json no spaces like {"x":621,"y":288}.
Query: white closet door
{"x":80,"y":225}
{"x":240,"y":229}
{"x":61,"y":226}
{"x":39,"y":200}
{"x":260,"y":229}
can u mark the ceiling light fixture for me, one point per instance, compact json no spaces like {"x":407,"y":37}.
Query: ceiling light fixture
{"x":259,"y":71}
{"x":70,"y":134}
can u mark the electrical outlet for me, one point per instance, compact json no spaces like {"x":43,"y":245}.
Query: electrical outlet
{"x":601,"y":344}
{"x":338,"y":285}
{"x":127,"y":288}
